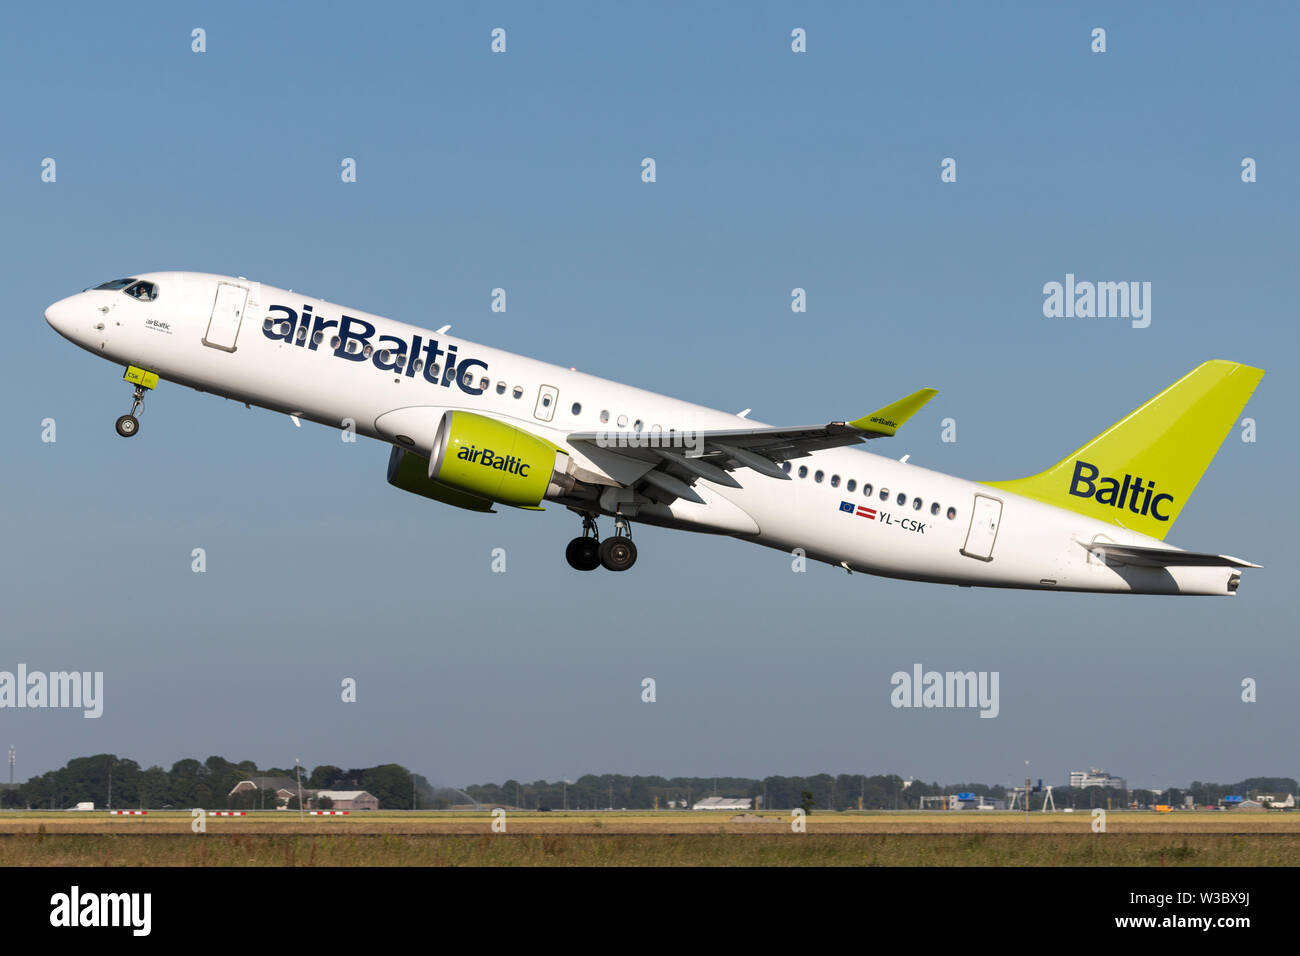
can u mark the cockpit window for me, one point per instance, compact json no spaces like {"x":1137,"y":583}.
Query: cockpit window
{"x":115,"y":285}
{"x":144,"y":291}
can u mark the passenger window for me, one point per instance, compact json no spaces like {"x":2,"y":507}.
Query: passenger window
{"x":884,"y":494}
{"x":902,"y":498}
{"x":803,"y":471}
{"x":622,"y":421}
{"x":852,"y":485}
{"x":518,"y":392}
{"x":334,"y":342}
{"x":636,"y":426}
{"x":819,"y":476}
{"x":417,"y":365}
{"x":367,"y":351}
{"x":434,"y":370}
{"x":604,"y":416}
{"x":934,"y":508}
{"x":483,"y":384}
{"x":785,"y":466}
{"x":501,"y":388}
{"x":401,"y":360}
{"x":302,"y":334}
{"x":835,"y":481}
{"x":577,"y":408}
{"x":866,"y":490}
{"x":546,"y":401}
{"x":916,"y":504}
{"x":318,"y":337}
{"x":952,"y":513}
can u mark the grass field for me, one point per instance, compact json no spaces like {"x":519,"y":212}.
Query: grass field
{"x":666,"y":838}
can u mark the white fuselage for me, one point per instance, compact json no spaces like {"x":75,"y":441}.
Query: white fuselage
{"x":994,"y":538}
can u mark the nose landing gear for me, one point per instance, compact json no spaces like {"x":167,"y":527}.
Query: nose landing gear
{"x":129,"y":424}
{"x":588,"y":552}
{"x":143,"y":381}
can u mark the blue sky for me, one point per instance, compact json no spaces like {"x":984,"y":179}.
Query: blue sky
{"x":521,"y":170}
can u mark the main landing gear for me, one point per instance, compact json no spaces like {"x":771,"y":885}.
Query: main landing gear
{"x":129,"y":424}
{"x":588,"y":552}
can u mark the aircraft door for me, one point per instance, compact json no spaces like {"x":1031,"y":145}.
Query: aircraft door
{"x":227,"y":313}
{"x":983,"y":530}
{"x":546,"y":399}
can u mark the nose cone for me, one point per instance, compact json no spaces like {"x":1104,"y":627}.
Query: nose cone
{"x":62,"y":315}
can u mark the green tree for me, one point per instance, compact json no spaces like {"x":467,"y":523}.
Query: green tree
{"x":390,"y":783}
{"x":323,"y":777}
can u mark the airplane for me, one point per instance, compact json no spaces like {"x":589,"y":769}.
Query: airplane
{"x":477,"y":427}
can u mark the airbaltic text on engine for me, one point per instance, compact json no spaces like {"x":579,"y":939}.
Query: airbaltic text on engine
{"x":1110,"y":492}
{"x":488,"y":459}
{"x":390,"y":353}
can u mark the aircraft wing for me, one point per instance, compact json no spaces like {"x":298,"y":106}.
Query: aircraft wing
{"x":672,"y":461}
{"x":1166,"y":557}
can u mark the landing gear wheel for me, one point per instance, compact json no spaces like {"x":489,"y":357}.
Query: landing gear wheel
{"x":617,"y":553}
{"x":583,"y":554}
{"x":127,"y":426}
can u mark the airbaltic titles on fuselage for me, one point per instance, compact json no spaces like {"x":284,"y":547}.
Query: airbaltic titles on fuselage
{"x":389,"y":353}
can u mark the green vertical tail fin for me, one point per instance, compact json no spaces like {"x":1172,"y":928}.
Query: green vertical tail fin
{"x":1140,"y":472}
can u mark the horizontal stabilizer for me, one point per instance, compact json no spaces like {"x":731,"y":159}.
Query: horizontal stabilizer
{"x":1166,"y":557}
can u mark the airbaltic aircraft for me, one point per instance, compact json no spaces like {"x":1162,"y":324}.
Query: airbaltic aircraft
{"x":473,"y":426}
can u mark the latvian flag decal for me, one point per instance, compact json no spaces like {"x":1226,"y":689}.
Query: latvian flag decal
{"x":860,"y":510}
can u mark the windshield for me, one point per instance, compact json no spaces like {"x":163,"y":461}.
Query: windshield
{"x":115,"y":284}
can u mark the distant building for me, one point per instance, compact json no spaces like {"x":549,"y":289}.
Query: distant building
{"x":348,"y":799}
{"x":1093,"y":777}
{"x":284,"y":787}
{"x":723,"y":803}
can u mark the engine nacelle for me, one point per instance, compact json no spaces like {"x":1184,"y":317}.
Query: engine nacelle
{"x":492,"y":461}
{"x":410,"y":472}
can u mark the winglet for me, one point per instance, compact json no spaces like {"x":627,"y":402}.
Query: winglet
{"x":887,"y":420}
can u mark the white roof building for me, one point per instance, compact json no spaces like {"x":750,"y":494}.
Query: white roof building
{"x":724,"y":803}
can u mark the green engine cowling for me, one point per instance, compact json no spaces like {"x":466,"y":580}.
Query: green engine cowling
{"x":488,"y":459}
{"x":410,"y":472}
{"x":477,"y":461}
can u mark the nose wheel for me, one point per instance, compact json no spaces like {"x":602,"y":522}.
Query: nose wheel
{"x":129,"y":424}
{"x":588,"y":552}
